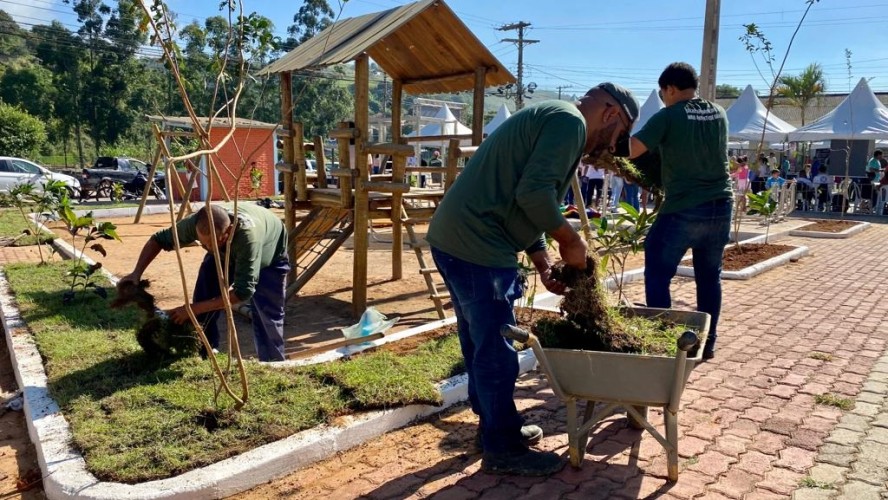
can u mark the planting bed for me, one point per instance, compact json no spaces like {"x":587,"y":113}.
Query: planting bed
{"x":828,"y":228}
{"x":750,"y":254}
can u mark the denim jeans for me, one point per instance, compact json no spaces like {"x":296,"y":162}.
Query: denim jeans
{"x":705,"y":229}
{"x":267,"y":306}
{"x":632,"y":194}
{"x":482,"y":299}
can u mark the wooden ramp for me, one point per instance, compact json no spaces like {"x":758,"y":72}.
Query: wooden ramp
{"x":314,"y":241}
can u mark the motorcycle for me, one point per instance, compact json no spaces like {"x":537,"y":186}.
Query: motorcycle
{"x":132,"y":189}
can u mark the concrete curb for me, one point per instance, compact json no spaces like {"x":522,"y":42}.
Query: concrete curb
{"x":851,"y":231}
{"x":751,"y":271}
{"x":64,"y":469}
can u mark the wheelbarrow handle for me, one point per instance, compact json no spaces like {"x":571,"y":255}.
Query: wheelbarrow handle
{"x":687,"y":341}
{"x":514,"y":333}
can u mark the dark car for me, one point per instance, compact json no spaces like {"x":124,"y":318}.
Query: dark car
{"x":109,"y":170}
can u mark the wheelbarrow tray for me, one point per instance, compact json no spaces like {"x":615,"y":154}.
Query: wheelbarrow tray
{"x":626,"y":378}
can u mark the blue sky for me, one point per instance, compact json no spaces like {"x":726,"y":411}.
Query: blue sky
{"x":627,"y":41}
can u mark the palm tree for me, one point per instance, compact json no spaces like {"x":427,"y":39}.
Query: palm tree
{"x":802,"y":89}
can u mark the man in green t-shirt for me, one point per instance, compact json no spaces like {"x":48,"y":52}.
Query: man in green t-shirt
{"x":502,"y":203}
{"x":259,"y":268}
{"x":691,"y":135}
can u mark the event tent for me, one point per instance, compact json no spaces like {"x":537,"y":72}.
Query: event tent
{"x":748,"y":116}
{"x":648,"y":109}
{"x":497,"y":120}
{"x":861,"y":116}
{"x":444,"y":123}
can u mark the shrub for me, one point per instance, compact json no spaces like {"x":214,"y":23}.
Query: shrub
{"x":20,"y":133}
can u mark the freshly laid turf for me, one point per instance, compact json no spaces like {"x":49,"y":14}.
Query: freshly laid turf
{"x":12,"y":225}
{"x":137,"y":418}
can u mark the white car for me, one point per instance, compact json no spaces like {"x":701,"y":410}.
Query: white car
{"x":14,"y":171}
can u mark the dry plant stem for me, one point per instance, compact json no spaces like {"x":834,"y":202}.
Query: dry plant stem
{"x":206,"y":148}
{"x":198,"y":328}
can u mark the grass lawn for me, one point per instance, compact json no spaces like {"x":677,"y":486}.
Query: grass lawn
{"x":12,"y":225}
{"x":136,"y":419}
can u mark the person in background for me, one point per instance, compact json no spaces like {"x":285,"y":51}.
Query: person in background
{"x":741,"y":175}
{"x":631,"y":190}
{"x":785,"y":166}
{"x":502,"y":204}
{"x":822,"y":186}
{"x":594,"y":185}
{"x":616,"y":195}
{"x":691,"y":135}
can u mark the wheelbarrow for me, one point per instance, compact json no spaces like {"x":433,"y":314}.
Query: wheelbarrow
{"x":634,"y":382}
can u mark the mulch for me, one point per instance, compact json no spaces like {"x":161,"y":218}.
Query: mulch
{"x":829,"y":226}
{"x":750,"y":254}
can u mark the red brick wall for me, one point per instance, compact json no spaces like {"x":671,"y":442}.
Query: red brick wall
{"x":246,"y":146}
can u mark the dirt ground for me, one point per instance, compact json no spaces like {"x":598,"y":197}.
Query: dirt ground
{"x":322,"y":307}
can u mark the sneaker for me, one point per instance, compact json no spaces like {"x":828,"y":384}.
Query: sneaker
{"x":708,"y":354}
{"x":522,"y":463}
{"x":530,"y":435}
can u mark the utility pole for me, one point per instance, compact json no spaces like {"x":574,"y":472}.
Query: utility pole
{"x":520,"y":42}
{"x":560,"y":88}
{"x":709,"y":64}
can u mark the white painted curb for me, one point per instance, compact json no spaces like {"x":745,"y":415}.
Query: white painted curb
{"x":755,"y":270}
{"x":64,"y":470}
{"x":847,"y":233}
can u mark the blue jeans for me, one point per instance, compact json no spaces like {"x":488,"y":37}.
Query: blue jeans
{"x":705,"y":229}
{"x":267,"y":306}
{"x":632,"y":194}
{"x":482,"y":299}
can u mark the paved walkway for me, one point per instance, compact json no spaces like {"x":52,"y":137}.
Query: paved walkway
{"x":750,"y":425}
{"x":18,"y":458}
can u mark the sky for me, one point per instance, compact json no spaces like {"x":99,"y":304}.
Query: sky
{"x":585,"y":42}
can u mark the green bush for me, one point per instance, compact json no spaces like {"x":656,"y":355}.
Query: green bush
{"x":20,"y":133}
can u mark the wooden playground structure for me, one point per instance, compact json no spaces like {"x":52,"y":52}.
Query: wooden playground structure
{"x":424,"y":48}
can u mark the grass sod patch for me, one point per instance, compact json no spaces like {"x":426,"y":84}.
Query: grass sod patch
{"x":829,"y":399}
{"x":12,"y":225}
{"x":137,"y":419}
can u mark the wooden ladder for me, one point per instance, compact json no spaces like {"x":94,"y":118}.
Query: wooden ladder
{"x":425,"y":270}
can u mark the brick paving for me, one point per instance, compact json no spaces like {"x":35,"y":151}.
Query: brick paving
{"x":749,"y":425}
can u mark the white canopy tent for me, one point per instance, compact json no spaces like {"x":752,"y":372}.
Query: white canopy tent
{"x":501,"y":115}
{"x":748,"y":116}
{"x":861,"y":116}
{"x":444,"y":123}
{"x":648,"y":109}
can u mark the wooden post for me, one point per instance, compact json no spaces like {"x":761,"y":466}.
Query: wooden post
{"x":709,"y":63}
{"x":299,"y":161}
{"x":157,"y":155}
{"x":362,"y":196}
{"x":319,"y":162}
{"x":452,"y":164}
{"x":345,"y":182}
{"x":287,"y":123}
{"x":397,"y":98}
{"x":399,"y":166}
{"x":478,"y":106}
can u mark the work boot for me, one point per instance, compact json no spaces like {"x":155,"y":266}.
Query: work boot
{"x":525,"y":462}
{"x":530,"y":435}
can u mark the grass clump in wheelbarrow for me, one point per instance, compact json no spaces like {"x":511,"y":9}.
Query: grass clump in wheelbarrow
{"x":592,"y":322}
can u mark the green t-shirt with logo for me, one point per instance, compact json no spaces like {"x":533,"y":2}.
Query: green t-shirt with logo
{"x":510,"y":191}
{"x":692,"y":138}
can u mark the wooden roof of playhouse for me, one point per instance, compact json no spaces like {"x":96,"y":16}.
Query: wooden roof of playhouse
{"x":422,"y":44}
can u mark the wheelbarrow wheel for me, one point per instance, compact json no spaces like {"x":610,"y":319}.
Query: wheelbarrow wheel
{"x":633,"y":422}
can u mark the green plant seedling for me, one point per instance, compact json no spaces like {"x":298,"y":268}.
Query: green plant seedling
{"x":82,"y":274}
{"x":617,"y":240}
{"x":762,"y":204}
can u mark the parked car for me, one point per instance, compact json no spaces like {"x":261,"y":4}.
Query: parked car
{"x":110,"y":170}
{"x":14,"y":171}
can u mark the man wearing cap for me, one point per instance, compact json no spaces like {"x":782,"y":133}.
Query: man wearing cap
{"x":502,"y":204}
{"x":691,"y":135}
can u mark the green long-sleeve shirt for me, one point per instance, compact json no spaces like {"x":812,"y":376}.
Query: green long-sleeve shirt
{"x":258,"y":240}
{"x":509,"y":193}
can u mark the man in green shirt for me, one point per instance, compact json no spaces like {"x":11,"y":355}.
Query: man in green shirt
{"x":503,"y":202}
{"x":691,"y":135}
{"x":259,"y":268}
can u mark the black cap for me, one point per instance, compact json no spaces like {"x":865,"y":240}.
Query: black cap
{"x":624,"y":97}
